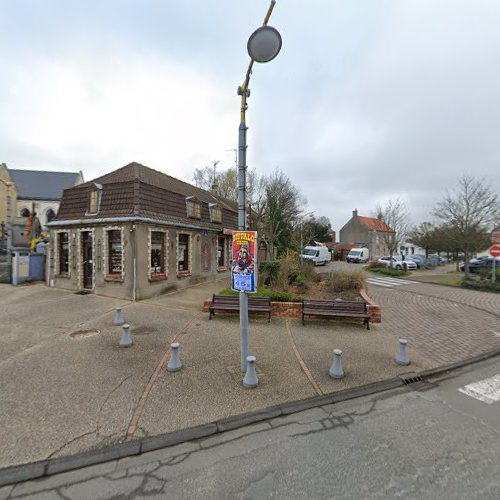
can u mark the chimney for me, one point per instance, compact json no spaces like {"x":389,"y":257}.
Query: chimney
{"x":355,"y":212}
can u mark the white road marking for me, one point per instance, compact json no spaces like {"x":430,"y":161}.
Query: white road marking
{"x":487,"y":390}
{"x":389,"y":282}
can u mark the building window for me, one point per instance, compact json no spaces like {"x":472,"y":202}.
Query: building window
{"x":183,"y":253}
{"x":193,"y":208}
{"x":221,"y":255}
{"x":157,"y":256}
{"x":95,"y":195}
{"x":50,"y":215}
{"x":215,"y":214}
{"x":25,"y":212}
{"x":63,"y":249}
{"x":115,"y":254}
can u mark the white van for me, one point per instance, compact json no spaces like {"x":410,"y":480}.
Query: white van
{"x":319,"y":255}
{"x":358,"y":255}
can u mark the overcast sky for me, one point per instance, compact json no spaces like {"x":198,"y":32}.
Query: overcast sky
{"x":368,"y":100}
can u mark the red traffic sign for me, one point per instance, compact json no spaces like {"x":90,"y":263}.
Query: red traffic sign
{"x":494,"y":251}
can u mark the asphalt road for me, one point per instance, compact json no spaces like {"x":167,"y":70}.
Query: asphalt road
{"x":438,"y":440}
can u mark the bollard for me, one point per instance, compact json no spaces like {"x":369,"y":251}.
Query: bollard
{"x":251,"y":380}
{"x":174,"y":363}
{"x":118,"y":316}
{"x":126,"y":340}
{"x":336,"y":369}
{"x":402,"y":357}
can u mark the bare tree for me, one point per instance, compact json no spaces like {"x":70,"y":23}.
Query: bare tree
{"x":395,"y":216}
{"x":470,"y":210}
{"x":279,"y":211}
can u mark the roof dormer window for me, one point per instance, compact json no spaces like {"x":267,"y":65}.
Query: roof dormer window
{"x":193,"y":207}
{"x":215,"y":213}
{"x":94,"y":201}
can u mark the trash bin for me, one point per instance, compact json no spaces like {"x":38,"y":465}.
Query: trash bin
{"x":20,"y":265}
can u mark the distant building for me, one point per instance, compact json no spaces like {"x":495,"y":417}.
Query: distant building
{"x":41,"y":191}
{"x":365,"y":232}
{"x":135,"y":233}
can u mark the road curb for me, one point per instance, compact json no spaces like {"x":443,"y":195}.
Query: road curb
{"x":36,"y":470}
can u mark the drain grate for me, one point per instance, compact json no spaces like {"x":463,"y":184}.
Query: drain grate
{"x":411,"y":378}
{"x":416,"y":383}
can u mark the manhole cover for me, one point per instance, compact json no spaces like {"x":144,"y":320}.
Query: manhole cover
{"x":80,"y":334}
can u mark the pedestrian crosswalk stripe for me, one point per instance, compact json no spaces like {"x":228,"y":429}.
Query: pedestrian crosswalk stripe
{"x":389,"y":282}
{"x":487,"y":390}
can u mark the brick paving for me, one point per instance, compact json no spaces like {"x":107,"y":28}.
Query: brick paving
{"x":443,"y":323}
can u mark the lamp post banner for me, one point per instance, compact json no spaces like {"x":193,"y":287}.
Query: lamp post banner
{"x":244,"y":268}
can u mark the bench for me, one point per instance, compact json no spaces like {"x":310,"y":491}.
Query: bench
{"x":336,"y":309}
{"x":232,"y":303}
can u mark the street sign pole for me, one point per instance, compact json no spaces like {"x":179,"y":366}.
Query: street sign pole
{"x":494,"y":251}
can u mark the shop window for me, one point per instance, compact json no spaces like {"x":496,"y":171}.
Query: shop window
{"x":215,"y":214}
{"x":63,"y":249}
{"x":115,"y":255}
{"x":157,"y":257}
{"x":193,"y":208}
{"x":221,"y":255}
{"x":183,"y":253}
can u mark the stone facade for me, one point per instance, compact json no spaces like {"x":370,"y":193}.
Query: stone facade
{"x":141,"y":237}
{"x":365,"y":232}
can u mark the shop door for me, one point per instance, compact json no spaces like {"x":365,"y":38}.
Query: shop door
{"x":88,"y":261}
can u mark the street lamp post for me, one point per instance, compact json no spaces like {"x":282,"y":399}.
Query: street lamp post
{"x":263,"y":46}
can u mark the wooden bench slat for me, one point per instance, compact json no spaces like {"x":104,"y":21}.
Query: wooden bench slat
{"x":336,"y":309}
{"x":232,"y":303}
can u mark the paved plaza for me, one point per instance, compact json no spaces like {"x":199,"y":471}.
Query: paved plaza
{"x":68,"y":387}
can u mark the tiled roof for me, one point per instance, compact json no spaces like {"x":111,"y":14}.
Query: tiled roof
{"x":42,"y":185}
{"x":136,"y":171}
{"x":375,"y":224}
{"x":139,"y":191}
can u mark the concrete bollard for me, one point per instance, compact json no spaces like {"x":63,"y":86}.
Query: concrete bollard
{"x":336,"y":368}
{"x":174,"y":363}
{"x":251,"y":380}
{"x":402,"y":357}
{"x":118,"y":316}
{"x":126,"y":340}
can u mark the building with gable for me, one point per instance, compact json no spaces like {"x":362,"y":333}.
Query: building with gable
{"x":365,"y":232}
{"x":135,"y":233}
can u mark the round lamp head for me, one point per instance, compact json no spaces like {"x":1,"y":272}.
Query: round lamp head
{"x":264,"y":44}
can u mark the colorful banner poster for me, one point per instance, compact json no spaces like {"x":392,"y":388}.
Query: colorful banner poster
{"x":244,"y":268}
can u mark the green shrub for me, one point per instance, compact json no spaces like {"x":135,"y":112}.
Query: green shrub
{"x":269,"y":270}
{"x":375,"y":264}
{"x":264,"y":291}
{"x":341,"y":281}
{"x":485,"y":286}
{"x":387,"y":271}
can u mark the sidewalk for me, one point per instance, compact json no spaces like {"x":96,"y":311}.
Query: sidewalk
{"x":63,"y":394}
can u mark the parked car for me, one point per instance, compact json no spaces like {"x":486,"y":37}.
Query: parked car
{"x":418,"y":259}
{"x":358,"y":255}
{"x":398,"y":263}
{"x":317,"y":255}
{"x":486,"y":262}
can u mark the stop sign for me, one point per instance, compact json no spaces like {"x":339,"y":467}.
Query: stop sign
{"x":494,"y":251}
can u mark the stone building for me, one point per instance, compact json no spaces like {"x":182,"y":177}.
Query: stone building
{"x":135,"y":233}
{"x":366,"y":232}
